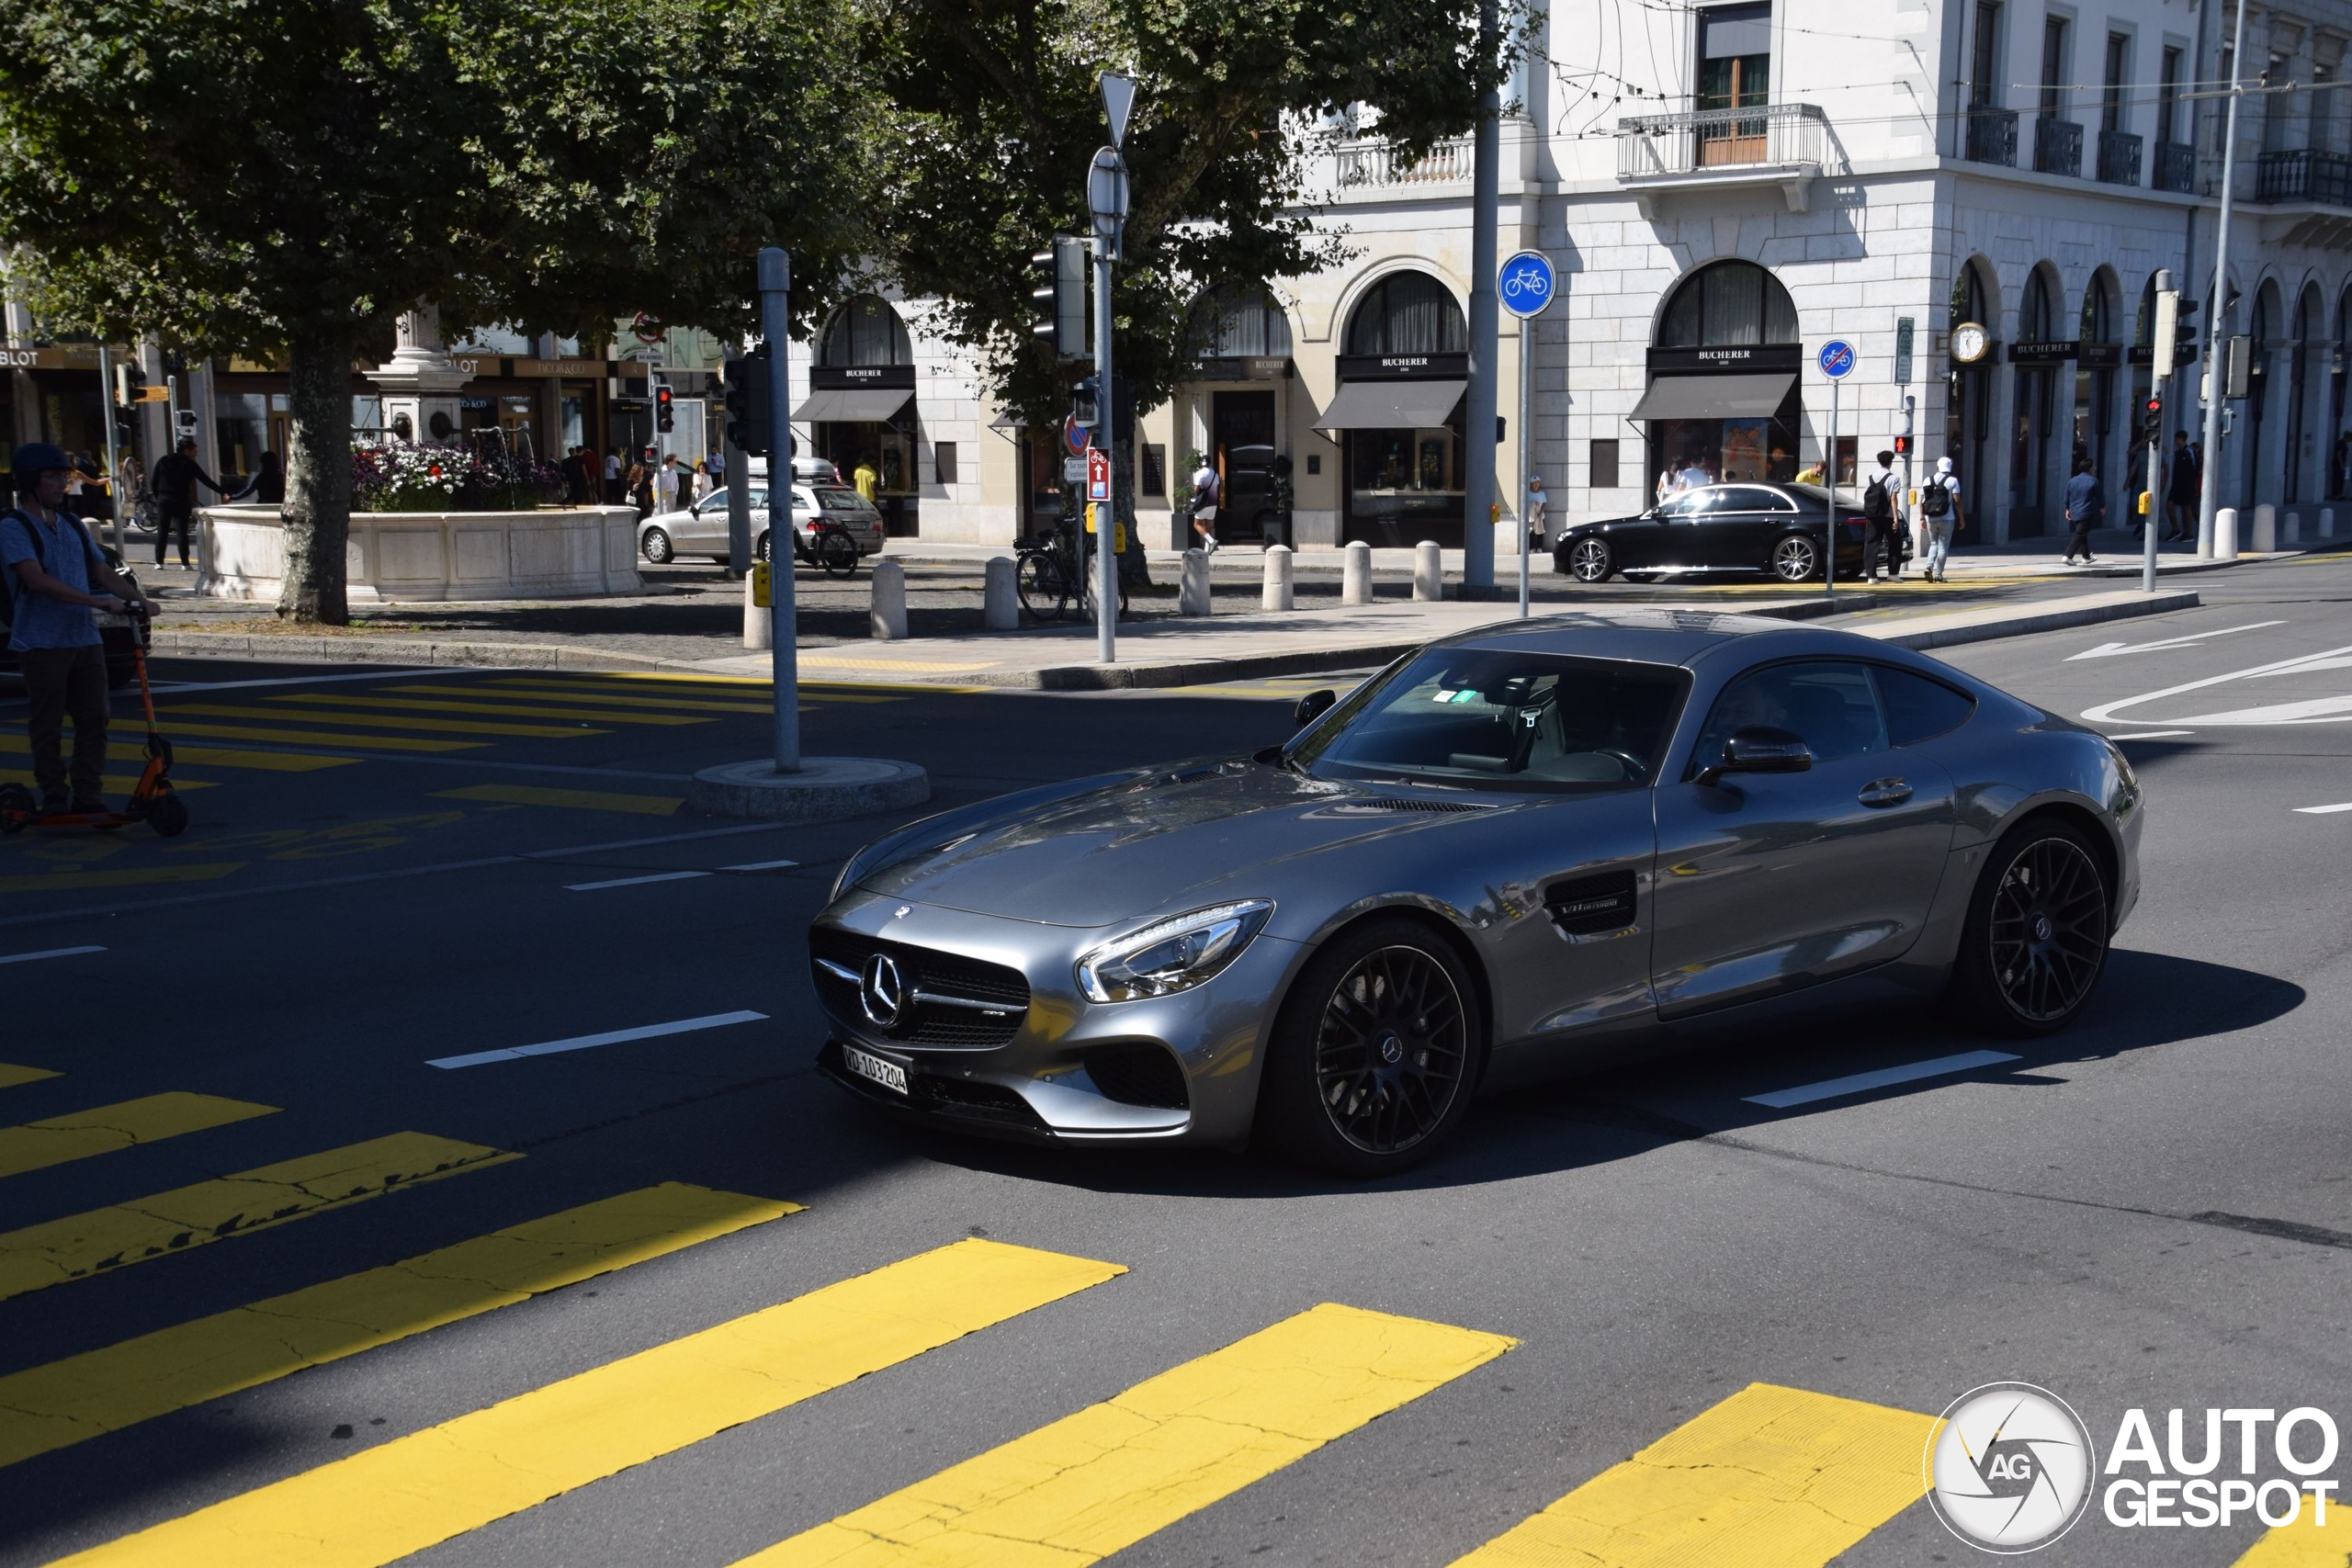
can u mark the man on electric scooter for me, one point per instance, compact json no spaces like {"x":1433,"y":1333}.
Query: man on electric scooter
{"x":56,"y":577}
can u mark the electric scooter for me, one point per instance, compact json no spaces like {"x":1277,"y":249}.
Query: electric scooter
{"x":153,"y":801}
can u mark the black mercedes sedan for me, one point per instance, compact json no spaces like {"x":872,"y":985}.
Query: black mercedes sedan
{"x":1773,"y":529}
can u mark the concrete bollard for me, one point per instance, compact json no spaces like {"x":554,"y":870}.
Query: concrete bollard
{"x":888,"y":620}
{"x":1429,"y":572}
{"x":2225,"y":534}
{"x":2294,"y":533}
{"x":2266,"y":529}
{"x":2327,"y":522}
{"x":999,"y":605}
{"x":1277,"y":595}
{"x":1193,"y":595}
{"x":1355,"y":574}
{"x":759,"y":621}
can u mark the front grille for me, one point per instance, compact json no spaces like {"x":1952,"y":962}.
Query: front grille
{"x":938,"y":982}
{"x":971,"y":1099}
{"x":1139,"y":1075}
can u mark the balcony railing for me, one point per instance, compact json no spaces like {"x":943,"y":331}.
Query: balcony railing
{"x":2176,"y":167}
{"x":1376,"y":163}
{"x":2304,"y":176}
{"x":1992,"y":135}
{"x":1698,"y":140}
{"x":2057,"y":146}
{"x":2118,"y":158}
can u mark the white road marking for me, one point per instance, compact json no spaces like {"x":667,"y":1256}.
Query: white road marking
{"x":386,"y":675}
{"x":50,"y":952}
{"x":587,"y":1042}
{"x":2151,"y":734}
{"x":2302,"y":810}
{"x":761,"y":865}
{"x":2105,"y":713}
{"x":2109,"y":650}
{"x":1860,"y":1083}
{"x":633,"y":881}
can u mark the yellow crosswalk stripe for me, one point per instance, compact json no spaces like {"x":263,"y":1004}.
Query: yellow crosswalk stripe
{"x":570,"y":799}
{"x":388,"y":721}
{"x":127,"y":876}
{"x":12,"y":1075}
{"x":1076,"y":1491}
{"x":316,"y":738}
{"x":401,"y":1497}
{"x":550,"y":709}
{"x":655,"y":678}
{"x":1769,"y":1478}
{"x":611,"y":699}
{"x":113,"y":783}
{"x":38,"y":1256}
{"x":263,"y":761}
{"x":71,"y":1400}
{"x":2304,"y":1543}
{"x":78,"y":1135}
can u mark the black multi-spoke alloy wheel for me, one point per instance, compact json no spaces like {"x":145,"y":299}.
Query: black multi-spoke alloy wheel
{"x":1375,"y":1053}
{"x":1590,"y":560}
{"x":2038,"y":925}
{"x":1795,"y":557}
{"x":656,"y":546}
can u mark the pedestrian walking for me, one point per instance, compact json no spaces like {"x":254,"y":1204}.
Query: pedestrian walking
{"x":1938,"y":517}
{"x":704,"y":483}
{"x":666,"y":484}
{"x":55,"y":578}
{"x":615,"y":491}
{"x":1206,"y":487}
{"x":638,"y":487}
{"x":176,"y":476}
{"x":2182,"y":486}
{"x":866,"y":481}
{"x":267,"y":486}
{"x":1693,"y":475}
{"x":718,"y":469}
{"x":1538,"y":534}
{"x":1881,"y":516}
{"x":2085,"y":509}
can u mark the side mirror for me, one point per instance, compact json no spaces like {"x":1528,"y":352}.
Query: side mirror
{"x":1312,"y":707}
{"x":1760,"y":749}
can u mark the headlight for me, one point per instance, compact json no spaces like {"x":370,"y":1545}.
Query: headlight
{"x":1172,"y":955}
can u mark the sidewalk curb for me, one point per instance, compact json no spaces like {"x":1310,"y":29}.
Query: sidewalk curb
{"x":2055,"y":619}
{"x":299,"y":650}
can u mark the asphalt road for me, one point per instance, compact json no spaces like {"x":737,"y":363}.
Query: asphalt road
{"x":2151,"y":1210}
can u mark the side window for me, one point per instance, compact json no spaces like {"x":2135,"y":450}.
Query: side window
{"x":1829,"y":703}
{"x":1747,"y":497}
{"x":1689,"y":503}
{"x":1918,"y":708}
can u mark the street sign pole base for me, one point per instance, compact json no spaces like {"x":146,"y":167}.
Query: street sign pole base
{"x":825,"y":789}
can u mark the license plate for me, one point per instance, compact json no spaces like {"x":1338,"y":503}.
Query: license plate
{"x":875,"y":1069}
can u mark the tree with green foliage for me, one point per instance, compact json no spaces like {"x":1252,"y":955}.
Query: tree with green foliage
{"x":290,"y":176}
{"x":993,"y":117}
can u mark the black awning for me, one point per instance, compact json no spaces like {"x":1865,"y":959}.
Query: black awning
{"x":1391,"y":405}
{"x":852,"y":405}
{"x":1714,"y":397}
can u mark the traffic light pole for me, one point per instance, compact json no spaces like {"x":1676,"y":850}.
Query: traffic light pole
{"x":114,"y":467}
{"x":776,"y":326}
{"x":2208,"y":488}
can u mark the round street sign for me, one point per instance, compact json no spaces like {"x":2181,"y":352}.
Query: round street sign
{"x":1525,"y":284}
{"x":648,"y":328}
{"x":1836,"y":359}
{"x":1075,"y":437}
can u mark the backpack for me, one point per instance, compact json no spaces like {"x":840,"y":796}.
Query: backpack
{"x":1878,"y":501}
{"x":40,"y":553}
{"x":1935,"y":500}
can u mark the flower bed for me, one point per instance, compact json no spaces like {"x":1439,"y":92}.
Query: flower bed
{"x":425,"y":476}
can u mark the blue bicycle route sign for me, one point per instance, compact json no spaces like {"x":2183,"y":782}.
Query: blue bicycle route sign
{"x":1525,"y":283}
{"x":1836,"y":359}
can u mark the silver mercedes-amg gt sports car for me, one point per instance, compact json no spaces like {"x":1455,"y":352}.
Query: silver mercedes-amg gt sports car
{"x":1532,"y":849}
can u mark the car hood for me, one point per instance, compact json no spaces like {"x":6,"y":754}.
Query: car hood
{"x":1168,"y":839}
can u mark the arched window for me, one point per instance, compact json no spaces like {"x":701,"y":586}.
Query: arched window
{"x":866,"y":331}
{"x":2036,"y":312}
{"x":1728,"y":304}
{"x":2098,"y":323}
{"x":1407,"y":312}
{"x":1238,"y":320}
{"x":2143,"y":328}
{"x":1971,"y":300}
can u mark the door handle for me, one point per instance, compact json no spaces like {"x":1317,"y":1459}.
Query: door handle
{"x":1884,"y":792}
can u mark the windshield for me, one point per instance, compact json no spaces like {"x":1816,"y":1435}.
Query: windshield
{"x":842,"y":501}
{"x":1485,"y":719}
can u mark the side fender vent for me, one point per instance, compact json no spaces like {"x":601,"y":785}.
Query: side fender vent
{"x":1586,"y":906}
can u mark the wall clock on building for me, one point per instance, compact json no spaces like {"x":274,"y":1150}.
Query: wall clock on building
{"x":1969,"y":342}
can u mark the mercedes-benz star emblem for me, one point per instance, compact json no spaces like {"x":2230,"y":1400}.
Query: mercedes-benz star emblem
{"x":882,"y":991}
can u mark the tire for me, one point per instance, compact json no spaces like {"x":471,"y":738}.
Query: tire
{"x":1374,"y":1053}
{"x":2036,"y":941}
{"x":1043,"y":592}
{"x":17,"y":807}
{"x":657,"y":548}
{"x":837,"y":553}
{"x":1590,"y":560}
{"x":167,"y":814}
{"x":1794,"y":559}
{"x":761,"y":548}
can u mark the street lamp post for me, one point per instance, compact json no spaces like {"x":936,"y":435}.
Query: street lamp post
{"x":2209,"y":486}
{"x":776,"y":326}
{"x":1106,"y":203}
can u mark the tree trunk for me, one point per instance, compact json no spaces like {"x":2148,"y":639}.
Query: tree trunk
{"x":318,"y":481}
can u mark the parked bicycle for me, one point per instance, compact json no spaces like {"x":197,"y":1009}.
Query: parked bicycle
{"x":1051,"y":572}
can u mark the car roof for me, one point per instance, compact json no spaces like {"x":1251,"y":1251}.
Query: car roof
{"x":1657,"y":634}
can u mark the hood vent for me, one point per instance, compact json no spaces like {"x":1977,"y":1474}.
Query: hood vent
{"x":1365,"y":808}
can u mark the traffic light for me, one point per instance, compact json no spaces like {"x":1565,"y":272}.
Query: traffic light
{"x":748,"y":421}
{"x":2152,"y":421}
{"x":1058,"y":296}
{"x":665,"y":414}
{"x":1086,"y":403}
{"x":2237,"y":366}
{"x":2183,"y":351}
{"x":1902,"y":446}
